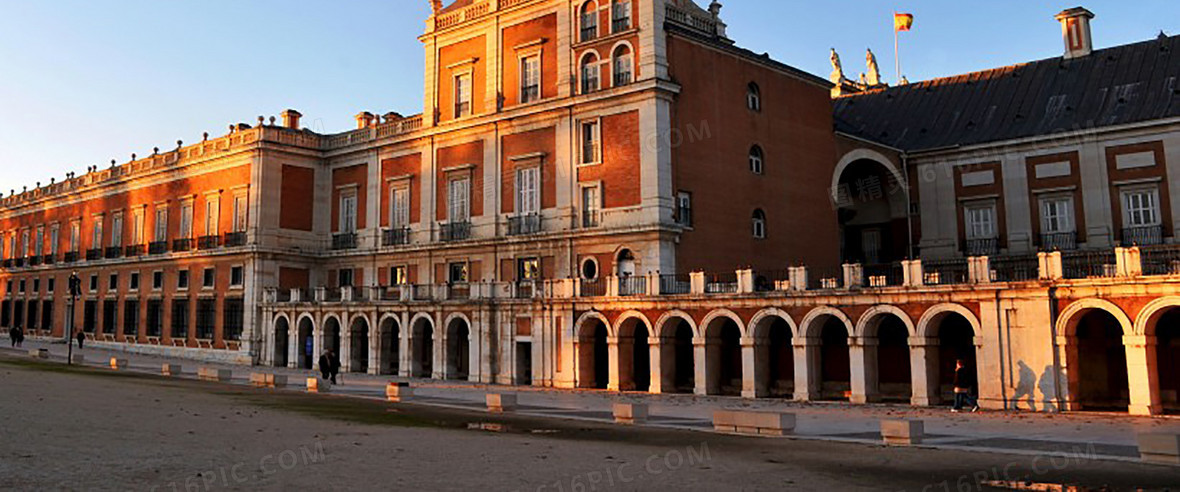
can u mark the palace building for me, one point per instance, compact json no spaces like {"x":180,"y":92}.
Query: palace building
{"x":613,"y":194}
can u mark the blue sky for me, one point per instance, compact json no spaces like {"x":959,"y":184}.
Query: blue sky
{"x":86,"y":81}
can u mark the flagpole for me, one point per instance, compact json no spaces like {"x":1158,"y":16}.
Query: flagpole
{"x":896,"y":51}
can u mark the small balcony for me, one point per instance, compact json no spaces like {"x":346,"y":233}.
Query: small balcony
{"x":1059,"y":241}
{"x":133,"y":250}
{"x":524,"y":224}
{"x":395,"y":237}
{"x":235,"y":239}
{"x":347,"y":240}
{"x":113,"y":252}
{"x":49,"y":259}
{"x":591,"y":219}
{"x":93,"y":254}
{"x":208,"y":242}
{"x":525,"y":289}
{"x":70,"y":257}
{"x":20,"y":262}
{"x":8,"y":263}
{"x":455,"y":231}
{"x":982,"y":247}
{"x":158,"y":247}
{"x":1143,"y":236}
{"x":34,"y":261}
{"x":622,"y":78}
{"x":182,"y":245}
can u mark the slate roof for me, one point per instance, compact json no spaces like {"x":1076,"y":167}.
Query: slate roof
{"x":1114,"y":86}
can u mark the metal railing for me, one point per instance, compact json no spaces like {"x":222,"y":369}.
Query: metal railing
{"x":944,"y":272}
{"x":1143,"y":236}
{"x":524,"y":224}
{"x":771,"y":280}
{"x":133,"y":250}
{"x":884,"y":275}
{"x":1014,"y":268}
{"x":7,"y":263}
{"x":593,"y":288}
{"x":93,"y":254}
{"x":182,"y":245}
{"x":208,"y":242}
{"x":1160,"y":260}
{"x":982,"y":247}
{"x":113,"y":252}
{"x":49,"y":259}
{"x":34,"y":261}
{"x":70,"y":257}
{"x":1088,"y":264}
{"x":1059,"y":241}
{"x":158,"y":247}
{"x":454,"y":231}
{"x":825,"y":278}
{"x":675,"y":284}
{"x":234,"y":239}
{"x":347,"y":240}
{"x":395,"y":237}
{"x":725,"y":283}
{"x":632,"y":286}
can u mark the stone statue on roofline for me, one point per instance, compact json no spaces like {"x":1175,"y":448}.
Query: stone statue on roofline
{"x":874,"y":76}
{"x":837,"y":69}
{"x":436,"y":6}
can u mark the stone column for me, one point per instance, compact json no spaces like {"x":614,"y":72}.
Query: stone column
{"x":612,"y":344}
{"x":375,"y":344}
{"x":863,"y":361}
{"x":655,"y":348}
{"x":294,"y":345}
{"x":344,"y":351}
{"x":698,"y":365}
{"x":750,"y":386}
{"x":1068,"y":354}
{"x":405,"y":358}
{"x":438,"y":351}
{"x":924,"y":371}
{"x":807,"y":370}
{"x":1143,"y":375}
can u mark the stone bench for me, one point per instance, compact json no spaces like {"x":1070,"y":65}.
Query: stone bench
{"x":398,"y":392}
{"x":39,"y":353}
{"x":315,"y":385}
{"x":500,"y":403}
{"x":630,"y":413}
{"x":118,"y":364}
{"x":77,"y":359}
{"x":754,"y":423}
{"x":903,"y":432}
{"x":171,"y":370}
{"x":1160,"y":448}
{"x":214,"y":375}
{"x":267,"y":380}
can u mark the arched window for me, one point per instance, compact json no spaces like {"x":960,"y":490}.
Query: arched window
{"x":622,"y":66}
{"x":754,"y":97}
{"x":759,"y":224}
{"x":620,"y":14}
{"x":589,"y":21}
{"x":590,"y":73}
{"x":756,"y":159}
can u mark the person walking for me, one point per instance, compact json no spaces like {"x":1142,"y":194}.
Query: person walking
{"x":325,"y":365}
{"x":334,"y":362}
{"x":81,"y":338}
{"x":964,"y":385}
{"x":20,"y":337}
{"x":12,"y":336}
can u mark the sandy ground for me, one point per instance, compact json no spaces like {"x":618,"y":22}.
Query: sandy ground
{"x":87,"y":429}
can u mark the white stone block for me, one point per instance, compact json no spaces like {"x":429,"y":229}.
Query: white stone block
{"x":39,"y":353}
{"x":754,"y":423}
{"x":1160,"y":448}
{"x":77,"y":359}
{"x":902,"y":432}
{"x":118,"y":364}
{"x":315,"y":385}
{"x":499,"y":403}
{"x":630,"y":413}
{"x":214,"y":375}
{"x":171,"y":370}
{"x":398,"y":392}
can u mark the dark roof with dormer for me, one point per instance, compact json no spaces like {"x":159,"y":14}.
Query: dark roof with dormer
{"x":1114,"y":86}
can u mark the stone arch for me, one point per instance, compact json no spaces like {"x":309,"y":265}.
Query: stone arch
{"x":676,"y":330}
{"x":422,"y":338}
{"x":1095,"y":331}
{"x":280,"y":340}
{"x":960,"y":340}
{"x":868,"y":155}
{"x":886,"y":333}
{"x":305,"y":332}
{"x":390,"y":335}
{"x":592,"y":333}
{"x":1068,"y":319}
{"x":1158,"y":327}
{"x":457,"y":356}
{"x":663,"y":323}
{"x":827,"y":338}
{"x":865,"y":325}
{"x":628,"y":316}
{"x":331,"y":332}
{"x":632,"y":356}
{"x":810,"y":329}
{"x":580,"y":325}
{"x":1145,"y":322}
{"x":928,"y":324}
{"x":360,"y":332}
{"x":774,"y":354}
{"x":716,"y":314}
{"x":723,"y":332}
{"x":769,"y":314}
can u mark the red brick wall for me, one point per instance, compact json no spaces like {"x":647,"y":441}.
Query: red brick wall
{"x":297,"y":198}
{"x":345,"y":176}
{"x":294,"y":278}
{"x":527,"y":32}
{"x":460,"y":155}
{"x":407,"y":165}
{"x":619,"y":171}
{"x":517,"y":144}
{"x":456,"y":53}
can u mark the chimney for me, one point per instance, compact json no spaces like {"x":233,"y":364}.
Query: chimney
{"x":1075,"y":30}
{"x":291,"y":119}
{"x":364,"y":120}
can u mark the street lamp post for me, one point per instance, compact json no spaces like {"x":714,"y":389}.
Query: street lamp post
{"x":75,"y":289}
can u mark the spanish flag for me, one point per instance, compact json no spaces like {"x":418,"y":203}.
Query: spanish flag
{"x":903,"y":22}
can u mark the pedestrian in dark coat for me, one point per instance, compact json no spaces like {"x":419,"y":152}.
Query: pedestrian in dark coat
{"x":325,"y":365}
{"x":964,"y":386}
{"x":12,"y":336}
{"x":81,"y":338}
{"x":20,"y":337}
{"x":334,"y":361}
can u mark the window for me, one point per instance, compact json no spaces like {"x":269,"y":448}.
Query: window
{"x":398,"y":275}
{"x":754,"y":97}
{"x":54,"y":239}
{"x":344,"y":277}
{"x":591,"y":142}
{"x":589,"y":269}
{"x":684,"y":208}
{"x":622,"y":66}
{"x":182,"y":279}
{"x":180,"y":318}
{"x":1141,"y":208}
{"x":756,"y":159}
{"x":530,"y":79}
{"x":528,"y":191}
{"x":239,"y":213}
{"x":96,"y":234}
{"x":133,"y":282}
{"x":117,"y":231}
{"x":39,"y":242}
{"x":620,"y":14}
{"x":110,"y":313}
{"x":591,"y":206}
{"x":24,"y":243}
{"x":234,"y":317}
{"x":93,"y":283}
{"x":212,"y":210}
{"x":50,"y":284}
{"x":462,"y":95}
{"x":528,"y":269}
{"x":90,"y":316}
{"x":399,"y":211}
{"x":457,"y":273}
{"x":36,"y":286}
{"x":590,"y":71}
{"x":157,"y":280}
{"x":186,"y":220}
{"x":348,"y":211}
{"x":161,"y":225}
{"x":208,"y":278}
{"x":1057,"y":215}
{"x":113,"y":282}
{"x":137,"y":227}
{"x":759,"y":223}
{"x":981,"y":221}
{"x":155,"y":317}
{"x":75,"y":236}
{"x":131,"y":317}
{"x":589,"y":18}
{"x":237,"y":276}
{"x":458,"y":193}
{"x":206,"y":312}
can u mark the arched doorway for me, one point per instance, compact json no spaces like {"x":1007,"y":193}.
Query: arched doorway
{"x":634,"y":356}
{"x":306,"y":340}
{"x":358,"y":346}
{"x":422,"y":348}
{"x":887,"y":353}
{"x":723,"y":357}
{"x":282,"y":344}
{"x":458,"y":349}
{"x":390,"y":346}
{"x":677,"y":371}
{"x":1102,"y":383}
{"x":1167,"y":345}
{"x":593,"y":354}
{"x":835,"y":373}
{"x":625,"y":262}
{"x":331,"y":335}
{"x":774,"y":358}
{"x":956,"y":342}
{"x":872,"y":211}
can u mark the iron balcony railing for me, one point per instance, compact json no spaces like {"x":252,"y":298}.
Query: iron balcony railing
{"x":593,"y":288}
{"x":944,"y":272}
{"x":34,"y":261}
{"x":346,"y":240}
{"x":70,"y":257}
{"x":455,"y":231}
{"x":982,"y":247}
{"x":825,"y":278}
{"x":158,"y":247}
{"x":8,"y":263}
{"x":235,"y":239}
{"x":884,"y":275}
{"x":93,"y":254}
{"x":771,"y":280}
{"x":1014,"y":268}
{"x":524,"y":224}
{"x":133,"y":250}
{"x":632,"y":286}
{"x":399,"y":236}
{"x":113,"y":252}
{"x":181,"y":245}
{"x":591,"y":218}
{"x":20,"y":262}
{"x":49,"y":259}
{"x":675,"y":284}
{"x":1160,"y":260}
{"x":1089,"y":264}
{"x":208,"y":242}
{"x":721,"y":284}
{"x":1059,"y":241}
{"x":1143,"y":236}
